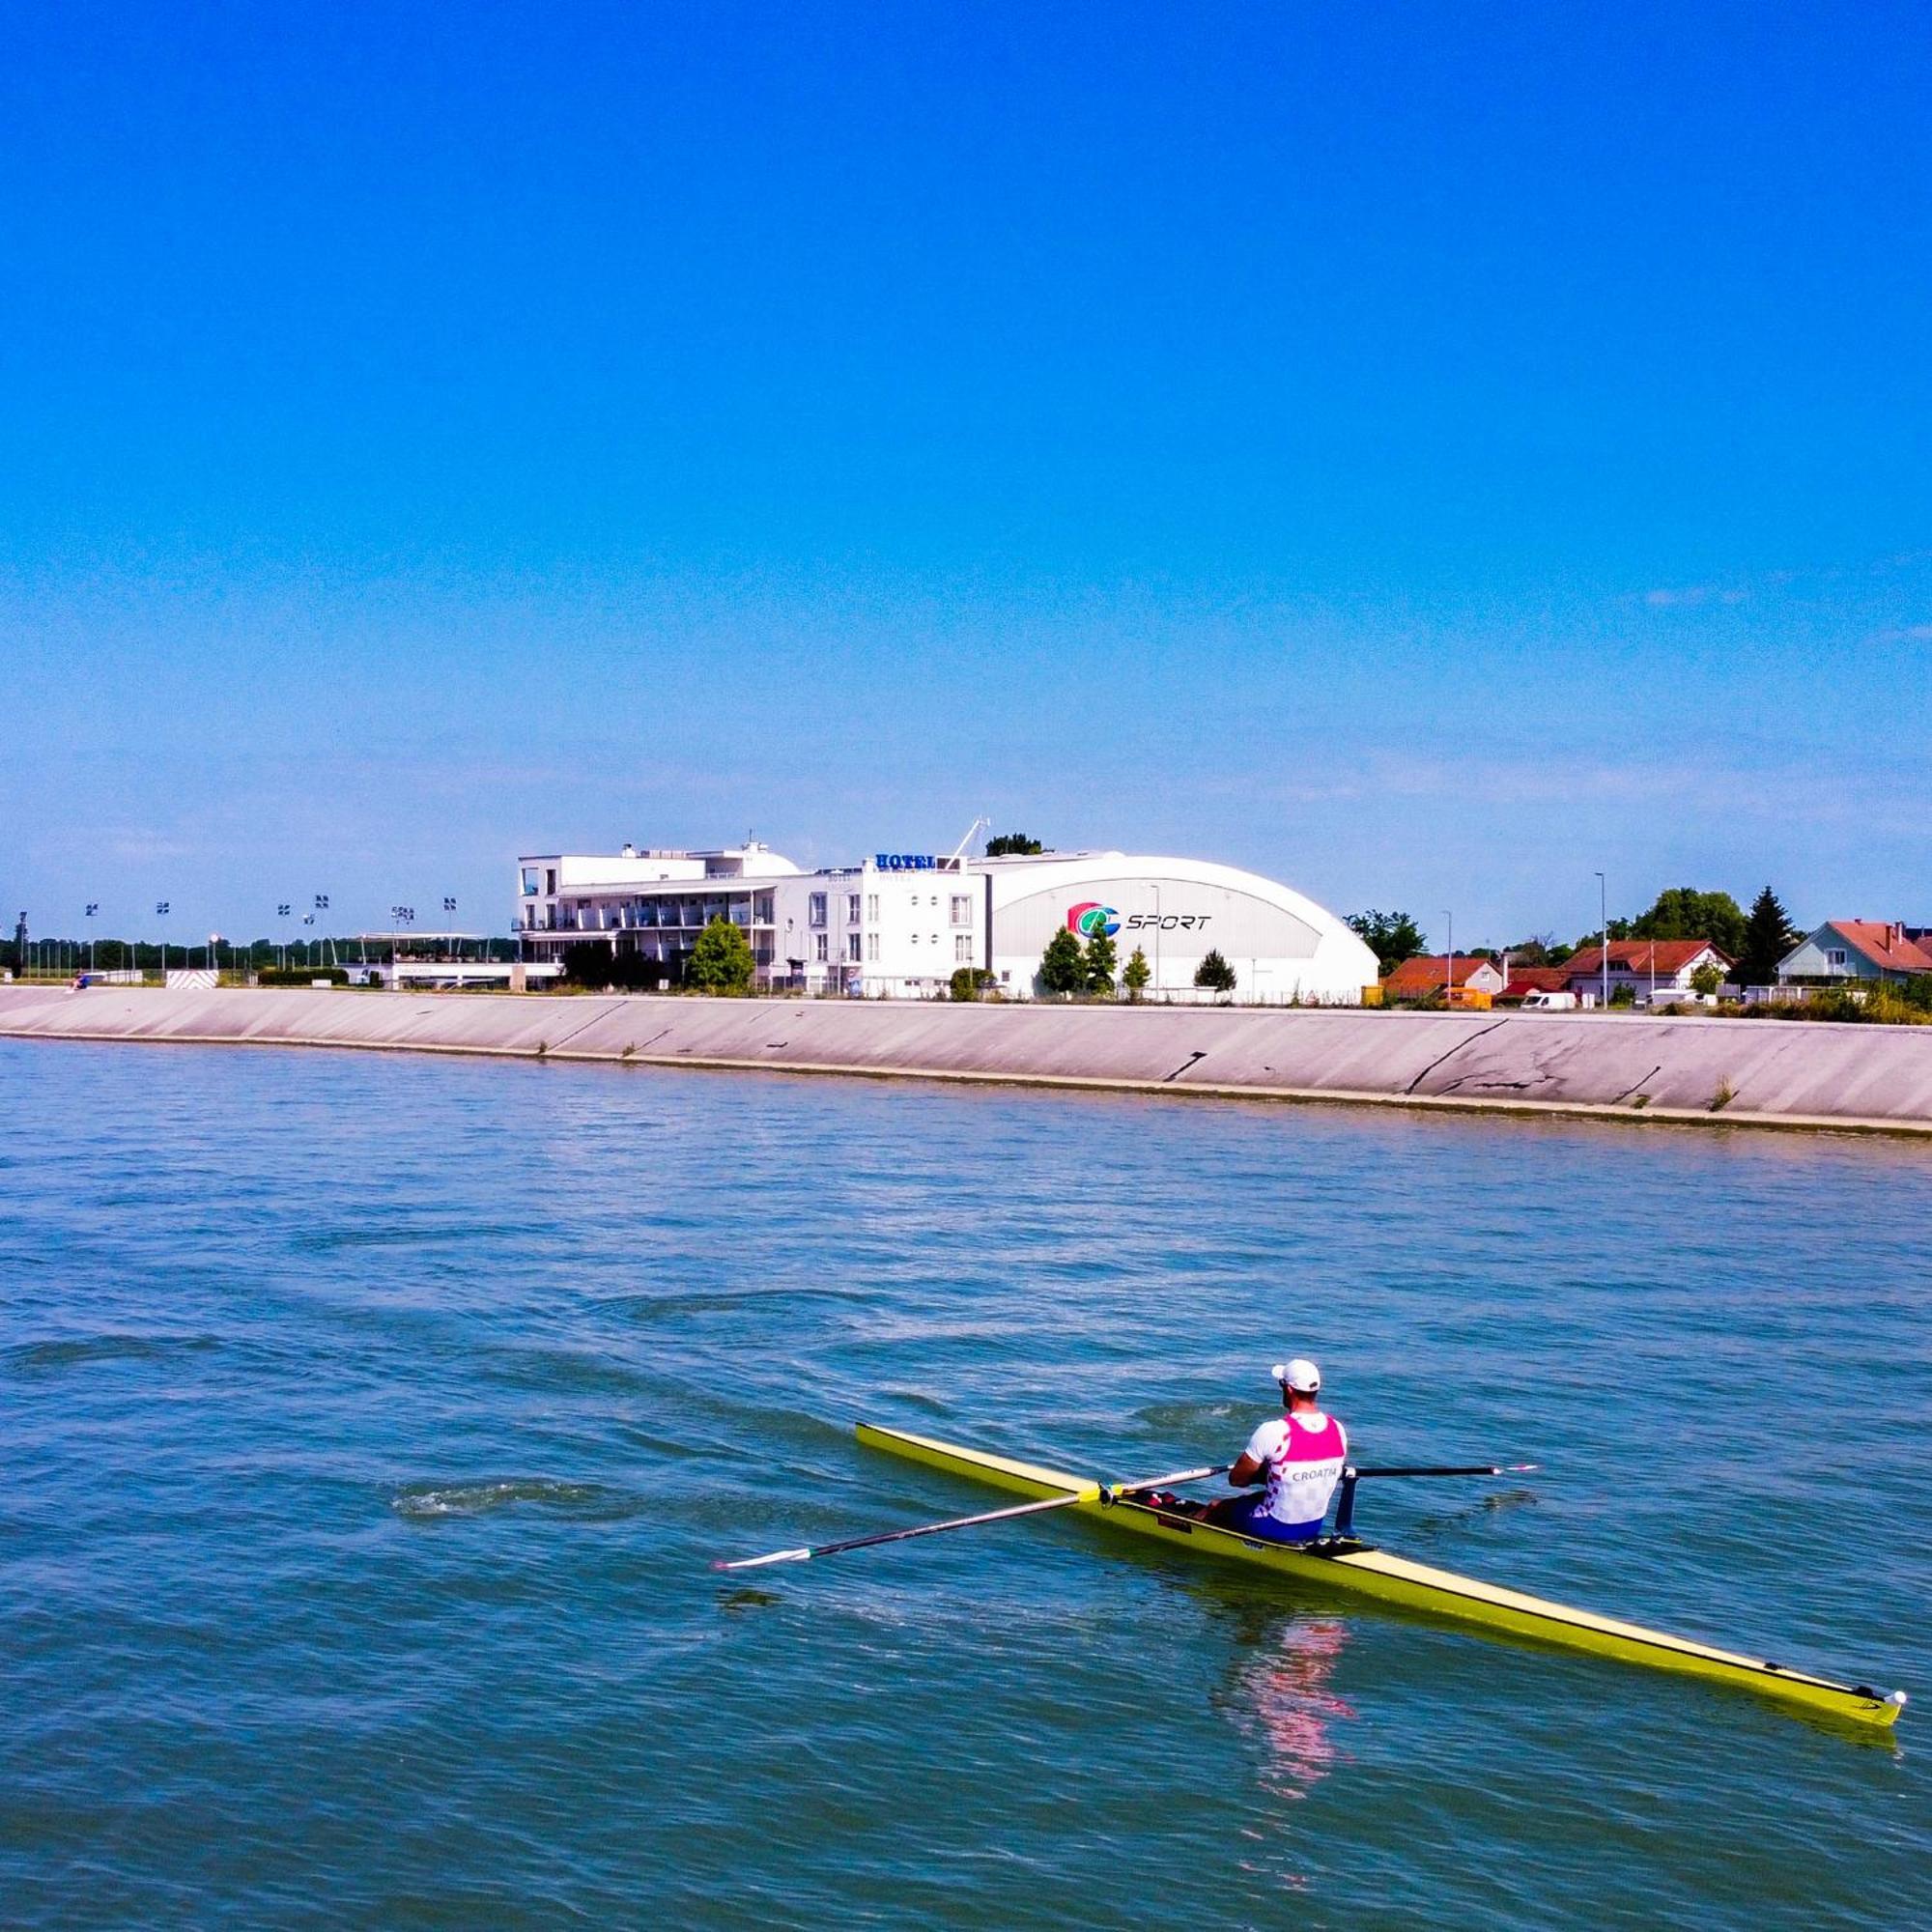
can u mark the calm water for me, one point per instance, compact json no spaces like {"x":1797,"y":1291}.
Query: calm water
{"x":370,"y":1424}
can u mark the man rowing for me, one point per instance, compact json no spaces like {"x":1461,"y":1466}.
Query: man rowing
{"x":1295,"y":1458}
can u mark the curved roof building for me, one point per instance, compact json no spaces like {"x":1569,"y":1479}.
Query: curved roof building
{"x":1281,"y":945}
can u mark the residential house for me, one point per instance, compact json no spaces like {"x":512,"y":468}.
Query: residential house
{"x":1426,"y":972}
{"x":1522,"y":981}
{"x":1662,"y":968}
{"x":1847,"y":951}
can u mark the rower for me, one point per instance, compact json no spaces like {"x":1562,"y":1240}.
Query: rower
{"x":1296,"y":1458}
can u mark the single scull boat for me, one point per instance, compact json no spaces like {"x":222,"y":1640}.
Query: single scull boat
{"x":1345,"y":1563}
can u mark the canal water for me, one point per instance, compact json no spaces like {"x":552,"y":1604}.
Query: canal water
{"x":370,"y":1425}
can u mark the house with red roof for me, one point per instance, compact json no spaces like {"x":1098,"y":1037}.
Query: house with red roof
{"x":1659,"y":969}
{"x":1523,"y":981}
{"x":1845,"y":951}
{"x":1427,"y":972}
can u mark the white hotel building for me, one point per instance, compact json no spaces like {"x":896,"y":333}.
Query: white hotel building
{"x":902,"y":923}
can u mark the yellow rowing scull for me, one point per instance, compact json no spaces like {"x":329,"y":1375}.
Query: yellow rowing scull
{"x":1343,"y":1563}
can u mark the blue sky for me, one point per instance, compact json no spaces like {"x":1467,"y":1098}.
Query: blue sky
{"x":1427,"y":454}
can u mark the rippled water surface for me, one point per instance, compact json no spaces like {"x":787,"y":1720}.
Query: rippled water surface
{"x":370,"y":1424}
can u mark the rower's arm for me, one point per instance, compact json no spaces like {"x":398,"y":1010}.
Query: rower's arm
{"x":1246,"y":1472}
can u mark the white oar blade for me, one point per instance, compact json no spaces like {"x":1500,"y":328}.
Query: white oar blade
{"x":777,"y":1556}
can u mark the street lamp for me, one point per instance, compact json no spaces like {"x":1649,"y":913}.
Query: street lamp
{"x":402,"y":915}
{"x":1449,"y":971}
{"x":322,"y":905}
{"x":162,"y":912}
{"x":1604,"y":917}
{"x":93,"y":907}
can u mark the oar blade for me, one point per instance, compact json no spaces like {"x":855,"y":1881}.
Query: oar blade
{"x":758,"y":1562}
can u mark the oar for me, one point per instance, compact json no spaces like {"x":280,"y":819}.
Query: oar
{"x":1432,"y":1469}
{"x":1087,"y":1492}
{"x":1345,"y":1510}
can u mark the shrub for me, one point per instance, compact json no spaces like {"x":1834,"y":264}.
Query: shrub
{"x":969,"y":982}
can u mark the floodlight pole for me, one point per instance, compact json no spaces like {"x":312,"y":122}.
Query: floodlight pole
{"x":1604,"y":917}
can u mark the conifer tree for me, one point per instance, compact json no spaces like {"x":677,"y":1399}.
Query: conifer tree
{"x":1136,"y":974}
{"x":1063,"y":966}
{"x":1099,"y":961}
{"x":1215,"y":974}
{"x":1768,"y":935}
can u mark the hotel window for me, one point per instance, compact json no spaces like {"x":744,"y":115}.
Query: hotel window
{"x":851,"y":908}
{"x":822,"y":951}
{"x":761,"y":909}
{"x":529,"y":882}
{"x":963,"y":909}
{"x":871,"y":908}
{"x":962,"y":947}
{"x":871,"y":946}
{"x":815,"y":916}
{"x":851,"y":945}
{"x":550,"y":879}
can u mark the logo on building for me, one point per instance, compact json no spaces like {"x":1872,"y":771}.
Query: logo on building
{"x":1090,"y":917}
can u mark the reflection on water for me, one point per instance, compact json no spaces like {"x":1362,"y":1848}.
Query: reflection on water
{"x":1282,"y":1696}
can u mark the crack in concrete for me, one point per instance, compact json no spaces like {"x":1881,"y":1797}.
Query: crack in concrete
{"x":1640,"y":1085}
{"x":586,"y":1025}
{"x":1457,"y":1048}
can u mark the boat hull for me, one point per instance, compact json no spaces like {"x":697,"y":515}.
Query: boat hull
{"x":1365,"y":1572}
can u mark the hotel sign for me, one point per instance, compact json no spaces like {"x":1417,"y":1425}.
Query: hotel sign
{"x":905,"y":862}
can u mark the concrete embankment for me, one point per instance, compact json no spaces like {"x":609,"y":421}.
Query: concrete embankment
{"x":1758,"y":1072}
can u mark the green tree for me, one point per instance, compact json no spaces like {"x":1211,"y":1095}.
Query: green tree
{"x":1136,"y":974}
{"x":721,"y":962}
{"x":1063,"y":966}
{"x":1099,"y":961}
{"x":969,"y":982}
{"x":1684,"y":912}
{"x":1707,"y":979}
{"x":1768,"y":935}
{"x":1540,"y":948}
{"x":1016,"y":843}
{"x":1214,"y":975}
{"x":1391,"y":936}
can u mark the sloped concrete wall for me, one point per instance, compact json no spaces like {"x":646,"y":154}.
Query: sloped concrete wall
{"x":1764,"y":1071}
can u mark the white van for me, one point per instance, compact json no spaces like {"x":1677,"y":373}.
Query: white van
{"x":1549,"y":1003}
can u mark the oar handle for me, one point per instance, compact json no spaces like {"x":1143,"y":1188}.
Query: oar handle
{"x":1167,"y":1482}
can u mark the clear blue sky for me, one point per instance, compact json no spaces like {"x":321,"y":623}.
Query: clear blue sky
{"x":1425,"y":453}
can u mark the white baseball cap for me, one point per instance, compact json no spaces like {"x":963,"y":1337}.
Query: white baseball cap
{"x":1300,"y":1374}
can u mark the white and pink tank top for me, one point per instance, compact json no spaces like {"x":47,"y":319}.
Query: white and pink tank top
{"x":1304,"y":1456}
